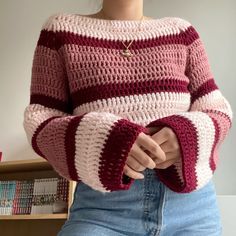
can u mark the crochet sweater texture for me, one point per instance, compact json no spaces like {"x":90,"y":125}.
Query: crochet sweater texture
{"x":88,"y":103}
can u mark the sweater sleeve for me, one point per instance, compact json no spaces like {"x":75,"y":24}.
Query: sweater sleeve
{"x":201,"y":129}
{"x":90,"y":147}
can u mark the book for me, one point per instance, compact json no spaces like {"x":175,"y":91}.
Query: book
{"x":37,"y":196}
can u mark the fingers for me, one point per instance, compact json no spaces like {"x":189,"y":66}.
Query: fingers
{"x":152,"y":130}
{"x":134,"y":164}
{"x":171,"y":146}
{"x":167,"y":139}
{"x":131,"y":173}
{"x":169,"y":156}
{"x":142,"y":157}
{"x":152,"y":146}
{"x":162,"y":135}
{"x":166,"y":164}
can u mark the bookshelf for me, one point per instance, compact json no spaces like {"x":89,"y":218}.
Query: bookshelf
{"x":35,"y":224}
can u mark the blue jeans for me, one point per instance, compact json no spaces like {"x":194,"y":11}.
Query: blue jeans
{"x":148,"y":208}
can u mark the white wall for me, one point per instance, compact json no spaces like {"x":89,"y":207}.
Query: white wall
{"x":227,"y":205}
{"x":20,"y":22}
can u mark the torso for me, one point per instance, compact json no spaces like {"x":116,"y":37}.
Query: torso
{"x":101,"y":79}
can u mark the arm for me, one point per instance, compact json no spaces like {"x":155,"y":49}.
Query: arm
{"x":201,"y":129}
{"x":90,"y":147}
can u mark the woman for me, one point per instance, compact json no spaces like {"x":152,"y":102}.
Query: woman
{"x":127,"y":106}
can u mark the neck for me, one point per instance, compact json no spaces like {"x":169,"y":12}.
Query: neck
{"x":122,"y":10}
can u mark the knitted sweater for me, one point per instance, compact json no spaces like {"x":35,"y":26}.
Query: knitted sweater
{"x":88,"y":103}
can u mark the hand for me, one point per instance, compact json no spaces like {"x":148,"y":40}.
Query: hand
{"x":138,"y":160}
{"x":168,"y":141}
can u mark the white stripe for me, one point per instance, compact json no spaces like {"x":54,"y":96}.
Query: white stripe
{"x":214,"y":100}
{"x":140,"y":109}
{"x":72,"y":23}
{"x":90,"y":139}
{"x":34,"y":115}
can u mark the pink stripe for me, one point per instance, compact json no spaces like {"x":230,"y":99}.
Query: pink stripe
{"x":34,"y":138}
{"x":222,"y":124}
{"x":51,"y":142}
{"x":226,"y":120}
{"x":48,"y":71}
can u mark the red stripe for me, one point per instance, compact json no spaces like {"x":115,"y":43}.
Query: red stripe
{"x":220,"y":113}
{"x":49,"y":39}
{"x":70,"y":146}
{"x":207,"y":87}
{"x":187,"y":136}
{"x":57,"y":39}
{"x":115,"y":151}
{"x":106,"y":91}
{"x":36,"y":133}
{"x":51,"y":102}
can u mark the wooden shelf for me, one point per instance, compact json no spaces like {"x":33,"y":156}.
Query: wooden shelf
{"x":24,"y":165}
{"x":32,"y":224}
{"x":34,"y":217}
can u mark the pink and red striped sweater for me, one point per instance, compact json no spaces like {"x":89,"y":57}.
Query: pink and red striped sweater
{"x":88,"y":103}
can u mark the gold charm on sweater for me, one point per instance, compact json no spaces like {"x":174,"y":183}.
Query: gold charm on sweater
{"x":126,"y":53}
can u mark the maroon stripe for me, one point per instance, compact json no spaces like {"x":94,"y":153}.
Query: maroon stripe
{"x":55,"y":40}
{"x":105,"y":91}
{"x":115,"y":151}
{"x":187,"y":136}
{"x":35,"y":135}
{"x":205,"y":88}
{"x":49,"y":39}
{"x":70,"y":146}
{"x":51,"y":102}
{"x":217,"y":135}
{"x":220,"y":113}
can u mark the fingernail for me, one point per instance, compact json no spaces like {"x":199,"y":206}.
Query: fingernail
{"x":152,"y":166}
